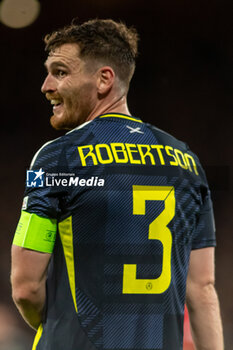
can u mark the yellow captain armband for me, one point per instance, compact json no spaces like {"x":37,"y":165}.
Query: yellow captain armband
{"x":35,"y":232}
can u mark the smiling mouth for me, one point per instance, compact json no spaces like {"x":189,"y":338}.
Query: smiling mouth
{"x":56,"y":103}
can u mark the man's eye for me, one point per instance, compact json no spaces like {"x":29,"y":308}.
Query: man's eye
{"x":61,"y":73}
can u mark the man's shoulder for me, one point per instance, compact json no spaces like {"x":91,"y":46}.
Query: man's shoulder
{"x":178,"y":147}
{"x":167,"y":138}
{"x":52,"y":149}
{"x":45,"y":151}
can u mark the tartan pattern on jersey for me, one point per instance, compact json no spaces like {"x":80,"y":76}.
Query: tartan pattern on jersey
{"x":90,"y":318}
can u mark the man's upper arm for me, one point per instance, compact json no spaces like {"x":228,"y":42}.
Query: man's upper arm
{"x":31,"y":251}
{"x":201,"y":272}
{"x":29,"y":268}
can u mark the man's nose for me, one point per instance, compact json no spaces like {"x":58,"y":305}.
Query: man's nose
{"x":49,"y":84}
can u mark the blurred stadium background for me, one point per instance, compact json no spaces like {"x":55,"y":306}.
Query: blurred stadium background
{"x":183,"y":84}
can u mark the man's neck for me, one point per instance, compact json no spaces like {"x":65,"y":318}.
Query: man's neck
{"x":116,"y":106}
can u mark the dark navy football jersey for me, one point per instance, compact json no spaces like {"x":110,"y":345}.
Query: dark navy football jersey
{"x":131,"y":202}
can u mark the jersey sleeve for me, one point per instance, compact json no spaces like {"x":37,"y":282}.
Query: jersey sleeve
{"x":44,"y":199}
{"x":37,"y":226}
{"x":204,"y":235}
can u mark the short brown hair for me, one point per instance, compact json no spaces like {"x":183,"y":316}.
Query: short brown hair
{"x":101,"y":39}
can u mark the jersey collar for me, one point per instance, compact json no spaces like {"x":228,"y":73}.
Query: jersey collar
{"x":119,"y":115}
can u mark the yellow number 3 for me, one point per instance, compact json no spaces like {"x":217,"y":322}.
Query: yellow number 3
{"x":157,"y":230}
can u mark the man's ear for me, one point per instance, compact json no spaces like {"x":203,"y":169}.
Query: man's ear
{"x":105,"y":80}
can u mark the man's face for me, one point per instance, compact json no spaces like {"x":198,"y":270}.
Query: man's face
{"x":69,"y":86}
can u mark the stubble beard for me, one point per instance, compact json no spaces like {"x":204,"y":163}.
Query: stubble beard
{"x":73,"y":115}
{"x":63,"y":122}
{"x":68,"y":121}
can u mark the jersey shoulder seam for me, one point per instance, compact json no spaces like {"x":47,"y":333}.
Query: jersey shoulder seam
{"x":42,"y":148}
